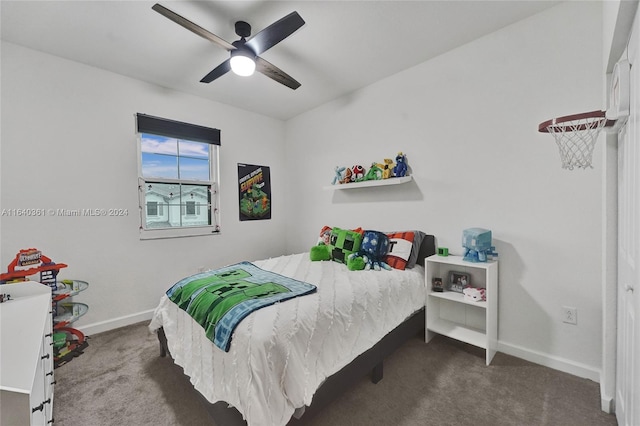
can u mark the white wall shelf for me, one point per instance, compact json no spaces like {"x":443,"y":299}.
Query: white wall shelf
{"x":370,"y":183}
{"x":450,"y":314}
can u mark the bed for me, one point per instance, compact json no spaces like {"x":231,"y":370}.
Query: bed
{"x":288,"y":360}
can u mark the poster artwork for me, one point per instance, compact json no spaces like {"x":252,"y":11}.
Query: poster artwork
{"x":254,"y":186}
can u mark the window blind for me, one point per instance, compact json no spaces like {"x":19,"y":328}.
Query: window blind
{"x":177,"y":129}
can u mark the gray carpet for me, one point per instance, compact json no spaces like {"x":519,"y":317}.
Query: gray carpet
{"x":121,"y":380}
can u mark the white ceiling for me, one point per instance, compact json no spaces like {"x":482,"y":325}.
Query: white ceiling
{"x":345,"y":45}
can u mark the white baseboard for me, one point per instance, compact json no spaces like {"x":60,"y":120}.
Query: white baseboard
{"x":100,"y":327}
{"x":607,"y":403}
{"x":557,"y":363}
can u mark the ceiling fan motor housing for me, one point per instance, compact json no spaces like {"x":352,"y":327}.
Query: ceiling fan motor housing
{"x":243,"y":29}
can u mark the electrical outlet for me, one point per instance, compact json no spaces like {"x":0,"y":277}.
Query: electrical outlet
{"x":569,"y":315}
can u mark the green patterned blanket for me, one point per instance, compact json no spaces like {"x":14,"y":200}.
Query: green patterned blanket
{"x":219,"y":299}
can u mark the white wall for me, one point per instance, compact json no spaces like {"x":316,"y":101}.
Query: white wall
{"x":68,"y":141}
{"x":467,"y":121}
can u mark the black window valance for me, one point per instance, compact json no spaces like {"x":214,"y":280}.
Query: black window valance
{"x":177,"y":129}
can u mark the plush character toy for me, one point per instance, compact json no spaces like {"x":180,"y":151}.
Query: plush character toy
{"x":322,"y":251}
{"x":373,"y":249}
{"x":342,"y":243}
{"x":358,"y":173}
{"x":401,"y":165}
{"x":473,"y":294}
{"x":387,"y":168}
{"x":339,"y":175}
{"x":355,"y":262}
{"x":347,"y":176}
{"x":325,"y":235}
{"x":374,"y":173}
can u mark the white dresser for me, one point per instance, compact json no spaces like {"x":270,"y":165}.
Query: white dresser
{"x":26,"y":355}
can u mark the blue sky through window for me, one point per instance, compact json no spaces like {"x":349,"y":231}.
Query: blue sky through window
{"x":172,"y":158}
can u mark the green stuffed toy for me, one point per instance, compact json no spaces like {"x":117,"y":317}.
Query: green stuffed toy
{"x":341,"y":243}
{"x":356,"y":263}
{"x":320,"y":252}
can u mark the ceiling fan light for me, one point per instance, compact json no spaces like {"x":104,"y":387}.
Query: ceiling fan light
{"x":242,"y":65}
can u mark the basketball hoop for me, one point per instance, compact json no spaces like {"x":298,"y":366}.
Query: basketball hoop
{"x":576,"y":136}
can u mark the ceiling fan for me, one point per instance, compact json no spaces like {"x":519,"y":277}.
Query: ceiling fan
{"x":244,"y":59}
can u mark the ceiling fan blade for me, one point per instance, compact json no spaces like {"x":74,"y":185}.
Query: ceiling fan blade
{"x":275,"y":33}
{"x":218,"y":71}
{"x":276,"y":73}
{"x":195,"y":28}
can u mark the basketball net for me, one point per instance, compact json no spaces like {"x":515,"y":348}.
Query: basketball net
{"x":576,"y":136}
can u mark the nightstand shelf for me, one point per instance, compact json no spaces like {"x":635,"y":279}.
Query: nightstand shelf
{"x":459,"y":332}
{"x":451,"y":315}
{"x":457,"y":297}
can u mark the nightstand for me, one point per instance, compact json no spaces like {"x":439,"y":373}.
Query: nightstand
{"x":450,"y":314}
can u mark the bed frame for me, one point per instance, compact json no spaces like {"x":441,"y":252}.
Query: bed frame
{"x":335,"y":385}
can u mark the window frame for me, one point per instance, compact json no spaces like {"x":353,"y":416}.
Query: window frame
{"x":146,"y":124}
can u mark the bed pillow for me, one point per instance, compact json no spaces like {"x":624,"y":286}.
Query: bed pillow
{"x":344,"y":242}
{"x":400,"y":247}
{"x":418,"y":236}
{"x":325,"y":234}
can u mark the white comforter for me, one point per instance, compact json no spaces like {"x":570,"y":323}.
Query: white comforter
{"x":281,"y":354}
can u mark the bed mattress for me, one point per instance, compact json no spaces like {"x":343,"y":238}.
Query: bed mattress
{"x":282,"y":353}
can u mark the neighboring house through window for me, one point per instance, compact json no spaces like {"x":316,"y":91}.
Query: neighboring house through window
{"x":152,"y":208}
{"x":178,"y":178}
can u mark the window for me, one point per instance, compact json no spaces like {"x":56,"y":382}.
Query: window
{"x":152,"y":208}
{"x":178,"y":178}
{"x":191,"y":208}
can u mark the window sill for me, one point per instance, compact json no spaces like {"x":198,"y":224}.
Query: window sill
{"x":156,"y":234}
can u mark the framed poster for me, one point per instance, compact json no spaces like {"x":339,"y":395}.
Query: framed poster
{"x":254,"y":190}
{"x":458,"y":281}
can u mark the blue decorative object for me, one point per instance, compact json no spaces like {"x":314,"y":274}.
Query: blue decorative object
{"x":477,"y":245}
{"x":373,"y":249}
{"x":339,"y":175}
{"x":400,"y":169}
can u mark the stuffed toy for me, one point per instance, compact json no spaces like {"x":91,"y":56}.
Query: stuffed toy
{"x":347,"y":176}
{"x":400,"y":169}
{"x":336,"y":244}
{"x":343,"y":243}
{"x":355,"y":262}
{"x":338,"y":176}
{"x":358,"y":173}
{"x":321,"y":250}
{"x":473,"y":294}
{"x":387,"y":168}
{"x":374,"y":173}
{"x":325,"y":235}
{"x":373,"y":249}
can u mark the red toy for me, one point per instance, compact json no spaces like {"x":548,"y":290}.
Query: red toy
{"x":27,"y":257}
